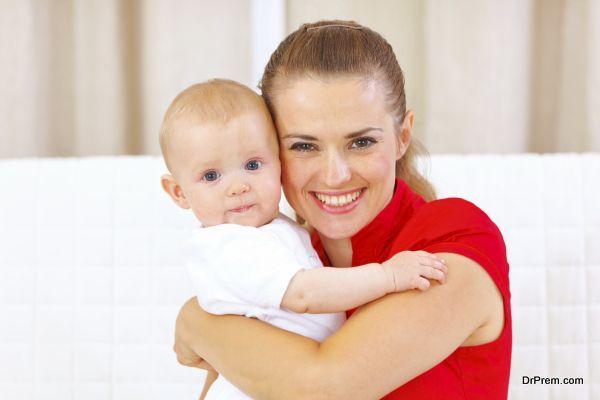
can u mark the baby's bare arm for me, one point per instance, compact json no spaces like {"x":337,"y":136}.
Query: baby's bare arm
{"x":324,"y":290}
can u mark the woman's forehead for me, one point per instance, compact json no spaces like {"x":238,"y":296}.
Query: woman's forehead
{"x":347,"y":105}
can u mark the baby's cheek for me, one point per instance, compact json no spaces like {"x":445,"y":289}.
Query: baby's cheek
{"x":274,"y":197}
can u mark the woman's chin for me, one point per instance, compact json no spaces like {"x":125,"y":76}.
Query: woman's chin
{"x":337,"y":230}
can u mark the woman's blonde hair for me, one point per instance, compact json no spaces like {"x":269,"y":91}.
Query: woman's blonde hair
{"x":332,"y":48}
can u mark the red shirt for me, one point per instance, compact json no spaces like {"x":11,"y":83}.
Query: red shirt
{"x":452,"y":226}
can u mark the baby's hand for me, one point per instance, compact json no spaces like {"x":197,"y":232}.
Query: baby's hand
{"x":413,"y":270}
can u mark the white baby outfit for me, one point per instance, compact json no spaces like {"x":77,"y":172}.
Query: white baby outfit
{"x":245,"y":270}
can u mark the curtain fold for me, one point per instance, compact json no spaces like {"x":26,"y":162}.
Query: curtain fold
{"x":483,"y":76}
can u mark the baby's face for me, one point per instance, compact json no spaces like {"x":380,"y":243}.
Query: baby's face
{"x":229,"y":172}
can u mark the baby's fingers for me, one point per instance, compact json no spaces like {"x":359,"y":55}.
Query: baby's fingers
{"x":422,"y":284}
{"x":433,"y":273}
{"x":433,"y":261}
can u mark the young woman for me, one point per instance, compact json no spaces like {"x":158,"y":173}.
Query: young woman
{"x":336,"y":93}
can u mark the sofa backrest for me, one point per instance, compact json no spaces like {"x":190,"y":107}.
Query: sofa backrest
{"x":91,"y":278}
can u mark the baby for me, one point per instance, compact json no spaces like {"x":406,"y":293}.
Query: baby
{"x":220,"y":147}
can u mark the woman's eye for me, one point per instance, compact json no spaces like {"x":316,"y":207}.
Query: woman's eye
{"x":211,"y":176}
{"x":362,"y":142}
{"x":253,"y":165}
{"x":302,"y":146}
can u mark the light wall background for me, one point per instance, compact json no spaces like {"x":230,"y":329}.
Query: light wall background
{"x":89,"y":77}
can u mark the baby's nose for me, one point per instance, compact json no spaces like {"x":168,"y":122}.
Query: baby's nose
{"x":238,"y":188}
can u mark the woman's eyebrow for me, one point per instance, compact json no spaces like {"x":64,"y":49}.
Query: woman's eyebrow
{"x":299,"y":136}
{"x":362,"y":131}
{"x":351,"y":135}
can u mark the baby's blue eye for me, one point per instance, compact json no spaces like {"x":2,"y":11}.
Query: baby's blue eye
{"x":253,"y":165}
{"x":211,"y":176}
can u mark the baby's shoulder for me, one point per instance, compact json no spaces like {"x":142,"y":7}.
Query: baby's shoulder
{"x":284,"y":225}
{"x":287,"y":231}
{"x":226,"y":238}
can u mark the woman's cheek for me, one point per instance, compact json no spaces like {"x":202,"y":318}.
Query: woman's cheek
{"x":291,"y":170}
{"x":379,"y":166}
{"x":294,"y":178}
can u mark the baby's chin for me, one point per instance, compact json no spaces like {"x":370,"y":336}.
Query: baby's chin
{"x":251,"y":218}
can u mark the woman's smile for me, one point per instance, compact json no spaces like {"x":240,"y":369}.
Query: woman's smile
{"x":338,"y":202}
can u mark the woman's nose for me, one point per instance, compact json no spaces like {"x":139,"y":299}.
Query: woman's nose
{"x":337,"y":170}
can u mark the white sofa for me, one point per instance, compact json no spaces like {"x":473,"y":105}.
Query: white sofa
{"x":91,"y":280}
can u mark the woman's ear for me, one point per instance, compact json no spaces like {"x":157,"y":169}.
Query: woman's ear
{"x":172,"y":188}
{"x":405,"y":134}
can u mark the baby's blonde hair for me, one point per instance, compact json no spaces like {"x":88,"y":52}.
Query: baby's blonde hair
{"x":216,"y":100}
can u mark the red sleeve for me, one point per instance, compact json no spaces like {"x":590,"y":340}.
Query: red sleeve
{"x":457,"y":226}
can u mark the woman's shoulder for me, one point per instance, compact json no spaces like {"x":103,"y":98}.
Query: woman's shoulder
{"x":454,"y":225}
{"x":452,"y":214}
{"x":450,"y":208}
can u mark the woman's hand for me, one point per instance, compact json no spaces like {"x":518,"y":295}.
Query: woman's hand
{"x":186,"y":356}
{"x":182,"y":348}
{"x":413,"y":270}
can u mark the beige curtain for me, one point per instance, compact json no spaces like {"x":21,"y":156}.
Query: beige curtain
{"x":88,"y":77}
{"x":489,"y":76}
{"x":84,"y":77}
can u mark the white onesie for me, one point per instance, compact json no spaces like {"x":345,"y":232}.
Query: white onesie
{"x":245,"y":270}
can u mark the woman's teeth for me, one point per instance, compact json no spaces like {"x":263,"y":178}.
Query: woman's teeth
{"x":337,"y":201}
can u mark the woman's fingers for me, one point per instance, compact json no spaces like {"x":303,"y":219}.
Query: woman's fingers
{"x":190,"y":359}
{"x":186,"y":356}
{"x":205,"y":365}
{"x":190,"y":362}
{"x":195,"y":363}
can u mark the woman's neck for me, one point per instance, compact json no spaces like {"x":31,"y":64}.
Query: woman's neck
{"x":339,"y":251}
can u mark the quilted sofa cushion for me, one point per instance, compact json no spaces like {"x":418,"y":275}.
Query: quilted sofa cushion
{"x":91,"y":278}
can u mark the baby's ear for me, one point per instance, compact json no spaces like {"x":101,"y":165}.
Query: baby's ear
{"x":172,"y":188}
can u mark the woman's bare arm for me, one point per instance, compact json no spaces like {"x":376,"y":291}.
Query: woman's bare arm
{"x":385,"y":344}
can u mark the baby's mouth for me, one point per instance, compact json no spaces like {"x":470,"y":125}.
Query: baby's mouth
{"x":242,"y":209}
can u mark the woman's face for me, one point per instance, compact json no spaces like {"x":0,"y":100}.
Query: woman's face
{"x":339,"y":148}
